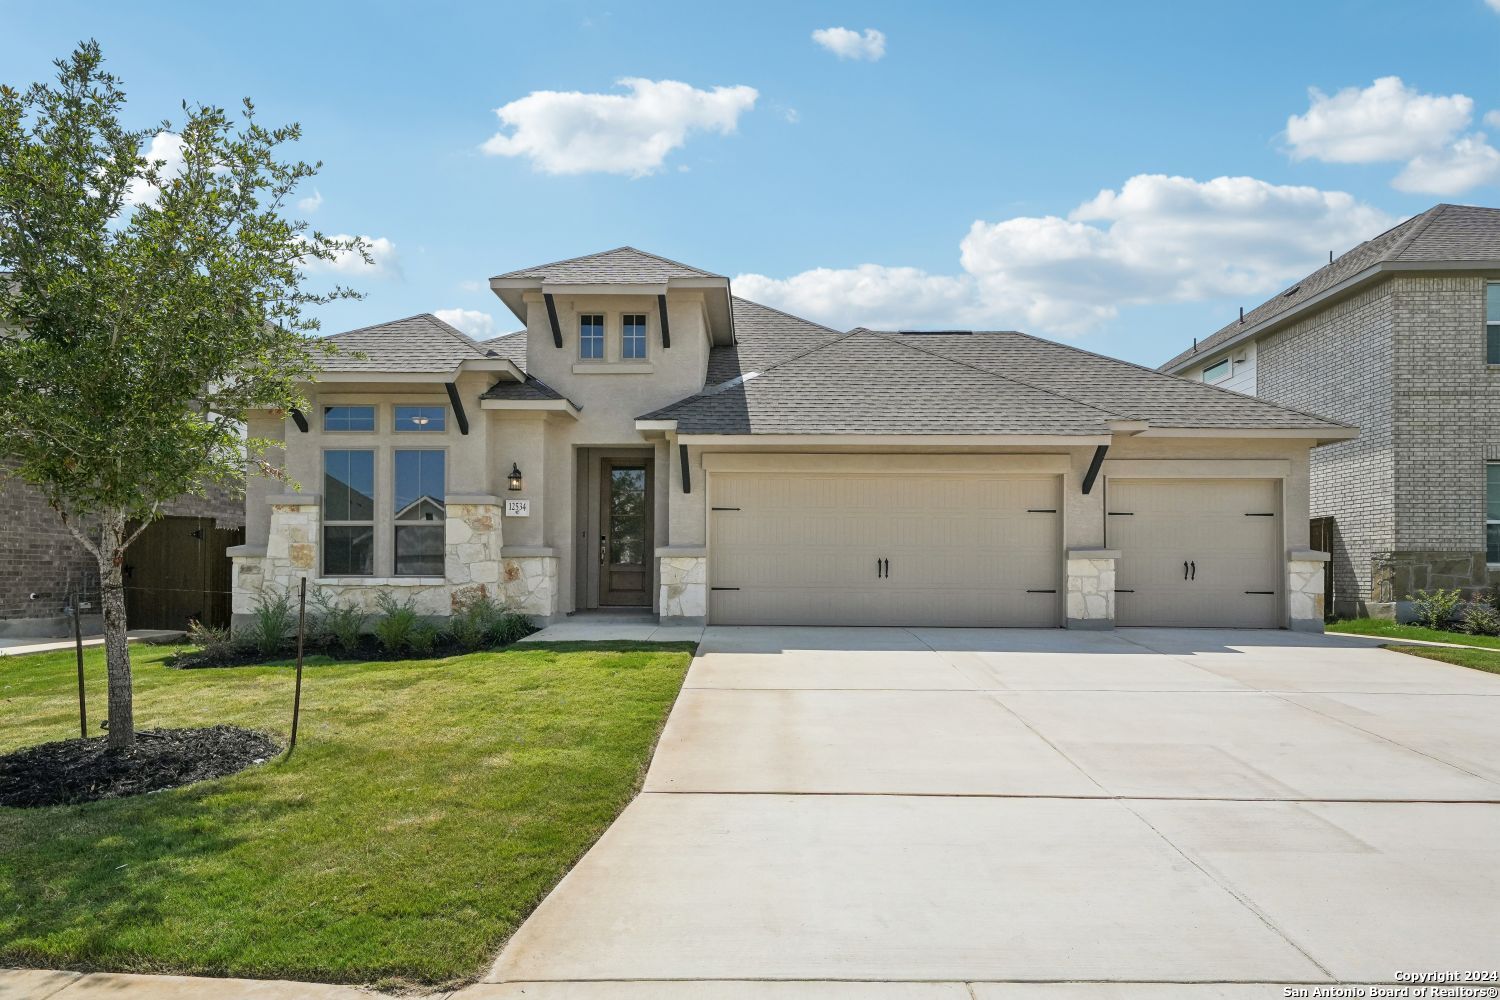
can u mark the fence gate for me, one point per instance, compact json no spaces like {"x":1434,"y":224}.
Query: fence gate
{"x":177,"y":572}
{"x":1320,"y":539}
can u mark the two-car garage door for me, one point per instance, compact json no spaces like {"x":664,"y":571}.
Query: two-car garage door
{"x":912,"y":547}
{"x":811,"y":548}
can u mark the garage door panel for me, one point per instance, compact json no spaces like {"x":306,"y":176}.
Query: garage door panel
{"x":1196,"y":552}
{"x":961,"y":549}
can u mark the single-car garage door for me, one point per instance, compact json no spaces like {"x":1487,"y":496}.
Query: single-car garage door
{"x":1196,"y":552}
{"x":808,"y":548}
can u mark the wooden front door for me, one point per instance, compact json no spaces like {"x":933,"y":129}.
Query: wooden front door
{"x":625,"y":541}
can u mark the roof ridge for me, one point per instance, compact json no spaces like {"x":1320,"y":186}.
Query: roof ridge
{"x":890,"y":337}
{"x":665,"y":260}
{"x":459,"y":335}
{"x":1431,"y":216}
{"x":783,"y":312}
{"x":600,"y":253}
{"x":373,"y":326}
{"x":1182,"y":378}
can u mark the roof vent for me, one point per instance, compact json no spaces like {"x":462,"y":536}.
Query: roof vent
{"x":1291,"y":291}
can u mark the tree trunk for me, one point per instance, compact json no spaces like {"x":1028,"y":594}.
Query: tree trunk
{"x":116,"y":649}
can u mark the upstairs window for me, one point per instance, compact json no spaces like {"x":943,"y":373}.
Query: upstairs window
{"x":348,"y":418}
{"x":348,"y":513}
{"x":591,"y":338}
{"x":1217,"y":372}
{"x":633,"y":344}
{"x":1492,"y":513}
{"x":420,"y":513}
{"x":430,"y":419}
{"x":1492,"y":323}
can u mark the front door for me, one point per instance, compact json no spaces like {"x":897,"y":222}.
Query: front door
{"x":625,"y":543}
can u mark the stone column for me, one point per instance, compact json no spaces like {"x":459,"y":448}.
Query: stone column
{"x":1304,"y":589}
{"x":1091,"y":588}
{"x":684,"y":585}
{"x":471,"y":565}
{"x":290,"y":552}
{"x":528,"y":581}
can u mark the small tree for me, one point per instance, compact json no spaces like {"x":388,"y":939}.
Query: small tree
{"x":146,"y":308}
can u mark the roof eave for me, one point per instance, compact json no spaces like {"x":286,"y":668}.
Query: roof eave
{"x":904,"y":440}
{"x":504,"y":366}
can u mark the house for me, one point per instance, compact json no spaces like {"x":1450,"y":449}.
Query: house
{"x":651,"y":442}
{"x":1401,"y":337}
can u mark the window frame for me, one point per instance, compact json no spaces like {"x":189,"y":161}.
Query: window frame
{"x":1226,"y":363}
{"x":1488,"y":520}
{"x":603,"y":354}
{"x":396,"y":409}
{"x":374,"y":418}
{"x":645,"y":339}
{"x":396,"y":525}
{"x":374,"y":454}
{"x":1491,"y":327}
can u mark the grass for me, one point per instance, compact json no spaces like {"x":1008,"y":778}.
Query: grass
{"x":1385,"y":627}
{"x":1477,"y":659}
{"x":429,"y":807}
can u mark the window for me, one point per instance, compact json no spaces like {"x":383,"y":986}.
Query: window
{"x":348,"y":513}
{"x":348,"y":418}
{"x":634,"y":342}
{"x":420,"y":491}
{"x":591,"y":337}
{"x":1492,"y":512}
{"x":421,"y":418}
{"x":1492,"y":323}
{"x":1217,"y":372}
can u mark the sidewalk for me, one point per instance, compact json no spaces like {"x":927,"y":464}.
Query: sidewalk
{"x":20,"y":647}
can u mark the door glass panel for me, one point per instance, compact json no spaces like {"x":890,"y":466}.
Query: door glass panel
{"x":627,"y":516}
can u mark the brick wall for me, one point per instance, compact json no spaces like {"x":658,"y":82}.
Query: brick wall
{"x":1339,"y":363}
{"x":38,"y":555}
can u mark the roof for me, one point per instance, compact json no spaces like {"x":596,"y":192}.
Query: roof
{"x":1003,"y":383}
{"x":531,"y":390}
{"x":620,"y":266}
{"x":421,"y":343}
{"x":510,"y":346}
{"x":1457,"y":234}
{"x":763,"y":336}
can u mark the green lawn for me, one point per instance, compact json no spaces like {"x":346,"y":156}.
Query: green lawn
{"x":429,"y":807}
{"x":1478,"y":659}
{"x":1382,"y":626}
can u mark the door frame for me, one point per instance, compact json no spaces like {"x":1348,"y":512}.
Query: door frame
{"x":606,"y":465}
{"x":588,"y":517}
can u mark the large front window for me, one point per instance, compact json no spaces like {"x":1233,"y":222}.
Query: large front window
{"x":419,"y":513}
{"x":348,"y":513}
{"x":1492,"y":512}
{"x":633,"y":342}
{"x":591,"y":338}
{"x":1492,"y":323}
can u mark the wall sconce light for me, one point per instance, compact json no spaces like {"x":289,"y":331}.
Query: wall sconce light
{"x":515,"y":476}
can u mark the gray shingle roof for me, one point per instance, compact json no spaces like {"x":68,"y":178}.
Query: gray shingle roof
{"x":620,"y":266}
{"x":1457,"y":233}
{"x":531,"y":390}
{"x":421,"y":343}
{"x":511,"y":346}
{"x":992,"y":383}
{"x":763,"y":336}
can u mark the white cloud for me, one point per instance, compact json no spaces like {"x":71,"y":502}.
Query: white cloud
{"x":1494,"y":5}
{"x":1492,"y":118}
{"x":848,"y":44}
{"x":791,"y":116}
{"x":1385,"y":121}
{"x":1466,"y":163}
{"x":383,"y":260}
{"x":312,"y":202}
{"x":567,"y":132}
{"x":1157,"y":239}
{"x":479,"y":325}
{"x":167,"y":148}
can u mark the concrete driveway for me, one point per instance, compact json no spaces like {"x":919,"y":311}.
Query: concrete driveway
{"x":950,"y":813}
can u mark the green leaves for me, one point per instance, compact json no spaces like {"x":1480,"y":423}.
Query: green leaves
{"x":148,"y":304}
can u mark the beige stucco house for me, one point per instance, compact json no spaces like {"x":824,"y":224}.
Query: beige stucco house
{"x":651,"y":442}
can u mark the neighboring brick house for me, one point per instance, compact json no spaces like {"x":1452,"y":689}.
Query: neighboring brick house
{"x":1401,"y":337}
{"x":41,"y":563}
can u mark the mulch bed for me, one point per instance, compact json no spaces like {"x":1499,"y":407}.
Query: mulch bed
{"x":73,"y":771}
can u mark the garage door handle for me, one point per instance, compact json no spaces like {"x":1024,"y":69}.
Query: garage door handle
{"x":1194,"y":575}
{"x":1184,"y":569}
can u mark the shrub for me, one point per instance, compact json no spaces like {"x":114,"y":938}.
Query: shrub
{"x":339,"y":622}
{"x":424,"y":637}
{"x":399,"y":620}
{"x":216,"y":647}
{"x":511,"y":626}
{"x":274,"y":618}
{"x":1481,"y":616}
{"x":1435,"y":608}
{"x":474,"y":624}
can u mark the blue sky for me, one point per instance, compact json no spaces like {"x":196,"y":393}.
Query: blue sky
{"x":946,"y":174}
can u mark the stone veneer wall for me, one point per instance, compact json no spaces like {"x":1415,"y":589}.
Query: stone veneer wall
{"x":529,"y":585}
{"x":1091,"y":588}
{"x":684,"y":588}
{"x":473,"y":563}
{"x":1305,"y":600}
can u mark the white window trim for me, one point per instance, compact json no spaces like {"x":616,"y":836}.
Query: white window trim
{"x":374,"y":418}
{"x":374,"y":512}
{"x":391,"y":516}
{"x":603,"y":357}
{"x":417,"y":431}
{"x":1487,"y":519}
{"x":645,"y":338}
{"x":1228,"y":364}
